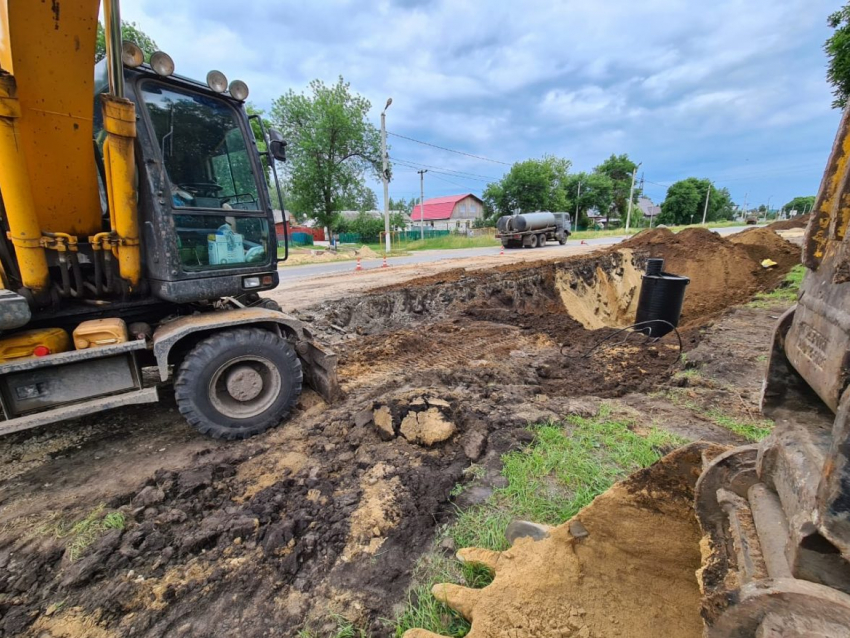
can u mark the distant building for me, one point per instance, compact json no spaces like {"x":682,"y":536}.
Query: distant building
{"x":453,"y":212}
{"x":649,"y":210}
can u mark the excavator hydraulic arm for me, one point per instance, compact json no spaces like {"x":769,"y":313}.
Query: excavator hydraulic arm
{"x":48,"y":174}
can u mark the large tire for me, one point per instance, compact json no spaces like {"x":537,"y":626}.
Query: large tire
{"x":238,"y":383}
{"x":532,"y":241}
{"x":541,"y":240}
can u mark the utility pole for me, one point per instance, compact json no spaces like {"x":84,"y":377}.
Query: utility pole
{"x":705,"y":209}
{"x":385,"y":177}
{"x":745,"y":207}
{"x":575,"y":222}
{"x":631,"y":196}
{"x":422,"y":203}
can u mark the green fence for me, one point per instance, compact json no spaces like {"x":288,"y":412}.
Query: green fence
{"x":396,"y":235}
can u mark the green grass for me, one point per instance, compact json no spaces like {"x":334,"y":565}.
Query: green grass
{"x":344,"y":629}
{"x":785,"y":293}
{"x":751,"y":430}
{"x":86,"y":531}
{"x":566,"y":466}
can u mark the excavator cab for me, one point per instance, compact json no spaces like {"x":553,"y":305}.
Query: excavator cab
{"x":203,"y":188}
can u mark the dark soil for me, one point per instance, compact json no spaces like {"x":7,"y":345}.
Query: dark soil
{"x":800,"y":221}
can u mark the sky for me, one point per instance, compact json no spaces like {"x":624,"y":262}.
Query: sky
{"x":731,"y":90}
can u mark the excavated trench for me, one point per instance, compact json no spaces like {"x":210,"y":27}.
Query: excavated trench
{"x":329,"y":513}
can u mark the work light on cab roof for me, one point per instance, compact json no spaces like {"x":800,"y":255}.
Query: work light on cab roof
{"x":162,"y":64}
{"x":239,"y":90}
{"x":131,"y":54}
{"x":217,"y":81}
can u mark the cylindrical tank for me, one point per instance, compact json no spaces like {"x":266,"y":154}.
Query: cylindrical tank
{"x":504,"y":224}
{"x":532,"y":221}
{"x":661,"y":297}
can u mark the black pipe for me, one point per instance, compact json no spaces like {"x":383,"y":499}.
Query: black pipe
{"x":78,"y":291}
{"x":107,"y":266}
{"x":66,"y":276}
{"x":98,"y":272}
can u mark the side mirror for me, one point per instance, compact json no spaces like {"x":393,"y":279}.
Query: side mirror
{"x":278,"y":150}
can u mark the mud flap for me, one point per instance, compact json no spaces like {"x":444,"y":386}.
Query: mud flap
{"x":319,"y":364}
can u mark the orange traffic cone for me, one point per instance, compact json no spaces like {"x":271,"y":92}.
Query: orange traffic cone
{"x":583,"y":243}
{"x":359,"y":267}
{"x":384,"y":265}
{"x":502,"y":251}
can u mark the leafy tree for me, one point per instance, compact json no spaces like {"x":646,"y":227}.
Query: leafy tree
{"x":837,"y":49}
{"x":801,"y":204}
{"x":530,"y":185}
{"x":398,"y":220}
{"x":401,"y":205}
{"x":619,"y":168}
{"x":129,"y":31}
{"x":685,"y":203}
{"x":332,"y":147}
{"x":595,"y":192}
{"x":359,"y":197}
{"x":367,"y":226}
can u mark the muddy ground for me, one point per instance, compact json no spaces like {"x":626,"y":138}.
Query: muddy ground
{"x":328,"y":513}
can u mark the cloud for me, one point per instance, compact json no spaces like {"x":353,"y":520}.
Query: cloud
{"x":685,"y":88}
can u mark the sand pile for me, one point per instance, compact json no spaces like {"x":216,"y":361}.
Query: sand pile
{"x":763,"y":243}
{"x":366,"y":253}
{"x":722,"y":272}
{"x":631,"y":572}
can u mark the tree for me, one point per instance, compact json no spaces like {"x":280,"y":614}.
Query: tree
{"x":367,"y":226}
{"x":398,"y":220}
{"x":401,"y":205}
{"x":129,"y":31}
{"x":359,"y":197}
{"x":332,"y":147}
{"x":619,"y":168}
{"x":837,"y":49}
{"x":530,"y":185}
{"x":595,"y":192}
{"x":801,"y":204}
{"x":685,"y":203}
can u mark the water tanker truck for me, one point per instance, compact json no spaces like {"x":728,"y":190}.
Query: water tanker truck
{"x":531,"y":230}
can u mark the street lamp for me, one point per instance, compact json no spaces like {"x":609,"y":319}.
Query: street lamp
{"x":385,"y":177}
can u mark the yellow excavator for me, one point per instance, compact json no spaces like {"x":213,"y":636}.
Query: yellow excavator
{"x":749,"y":542}
{"x":138,"y":232}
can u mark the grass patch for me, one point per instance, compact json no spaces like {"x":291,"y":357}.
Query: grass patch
{"x":345,"y":629}
{"x":751,"y":430}
{"x":566,"y":466}
{"x":84,"y":532}
{"x":785,"y":293}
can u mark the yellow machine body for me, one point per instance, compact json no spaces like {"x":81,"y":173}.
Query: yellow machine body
{"x":49,"y":47}
{"x":23,"y":344}
{"x":100,"y":332}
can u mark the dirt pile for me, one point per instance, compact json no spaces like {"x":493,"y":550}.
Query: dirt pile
{"x":789,"y":224}
{"x":569,"y":586}
{"x":722,"y":272}
{"x":763,"y":243}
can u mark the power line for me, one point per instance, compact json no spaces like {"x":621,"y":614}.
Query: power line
{"x":447,"y":170}
{"x":443,"y":172}
{"x":450,"y":150}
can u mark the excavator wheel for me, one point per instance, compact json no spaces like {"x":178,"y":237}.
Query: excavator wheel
{"x":238,"y":383}
{"x":785,"y":608}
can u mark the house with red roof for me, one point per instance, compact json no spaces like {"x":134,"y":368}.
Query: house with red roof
{"x":452,"y":212}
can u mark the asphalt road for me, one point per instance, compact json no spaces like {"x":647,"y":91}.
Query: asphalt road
{"x":293,"y":273}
